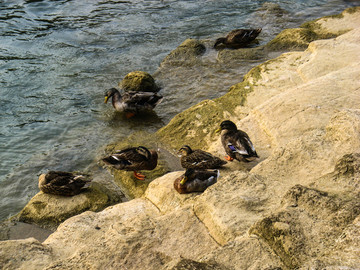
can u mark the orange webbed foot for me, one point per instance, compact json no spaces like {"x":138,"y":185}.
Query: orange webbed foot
{"x":139,"y":176}
{"x":228,"y":158}
{"x":129,"y":115}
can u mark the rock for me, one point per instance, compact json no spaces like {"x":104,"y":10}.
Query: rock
{"x":187,"y":53}
{"x":313,"y":222}
{"x":14,"y":253}
{"x":291,"y":39}
{"x":139,"y":81}
{"x":335,"y":25}
{"x":48,"y":211}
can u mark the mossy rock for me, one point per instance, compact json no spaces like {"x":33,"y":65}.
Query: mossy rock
{"x":129,"y":185}
{"x":48,"y":211}
{"x":186,"y":54}
{"x":323,"y":33}
{"x":139,"y":81}
{"x":194,"y":126}
{"x":292,"y":39}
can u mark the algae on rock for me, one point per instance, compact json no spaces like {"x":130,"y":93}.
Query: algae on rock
{"x":48,"y":211}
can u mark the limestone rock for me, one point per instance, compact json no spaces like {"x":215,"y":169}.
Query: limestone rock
{"x":14,"y":253}
{"x":48,"y":211}
{"x":139,"y":81}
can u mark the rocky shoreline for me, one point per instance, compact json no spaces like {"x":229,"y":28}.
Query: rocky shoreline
{"x":297,"y":207}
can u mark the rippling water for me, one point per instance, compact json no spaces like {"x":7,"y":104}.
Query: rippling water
{"x":58,"y":57}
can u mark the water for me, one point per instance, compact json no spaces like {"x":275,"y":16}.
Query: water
{"x":58,"y":57}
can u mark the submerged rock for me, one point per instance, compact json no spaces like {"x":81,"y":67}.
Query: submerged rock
{"x":186,"y":54}
{"x":139,"y":81}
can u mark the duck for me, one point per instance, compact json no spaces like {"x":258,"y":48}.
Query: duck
{"x":236,"y":143}
{"x":195,"y":180}
{"x":132,"y":102}
{"x":238,"y":38}
{"x":133,"y":159}
{"x":198,"y":159}
{"x":63,"y":183}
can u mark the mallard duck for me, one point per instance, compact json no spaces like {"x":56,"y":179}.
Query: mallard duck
{"x":238,"y":38}
{"x":195,"y":180}
{"x":132,"y":102}
{"x":133,"y":159}
{"x":236,"y":142}
{"x":199,"y":159}
{"x":63,"y":183}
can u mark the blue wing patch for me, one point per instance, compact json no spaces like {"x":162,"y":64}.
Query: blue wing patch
{"x":232,"y":148}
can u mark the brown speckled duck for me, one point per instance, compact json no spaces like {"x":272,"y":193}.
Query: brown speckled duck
{"x":195,"y":180}
{"x":133,"y":159}
{"x":238,"y":38}
{"x":236,"y":143}
{"x":132,"y":102}
{"x":199,"y":159}
{"x":63,"y":183}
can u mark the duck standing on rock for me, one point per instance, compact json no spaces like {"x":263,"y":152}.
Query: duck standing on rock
{"x":236,"y":143}
{"x":132,"y":102}
{"x":133,"y":159}
{"x":199,"y":159}
{"x":238,"y":38}
{"x":63,"y":183}
{"x":195,"y":180}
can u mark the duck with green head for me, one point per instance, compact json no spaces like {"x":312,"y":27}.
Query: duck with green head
{"x":236,"y":143}
{"x":195,"y":180}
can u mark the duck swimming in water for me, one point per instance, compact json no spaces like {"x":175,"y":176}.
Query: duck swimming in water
{"x":199,"y":159}
{"x":238,"y":38}
{"x":63,"y":183}
{"x":195,"y":180}
{"x":133,"y":159}
{"x":236,"y":143}
{"x":132,"y":102}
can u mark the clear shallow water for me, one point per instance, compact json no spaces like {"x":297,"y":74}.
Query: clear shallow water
{"x":58,"y":57}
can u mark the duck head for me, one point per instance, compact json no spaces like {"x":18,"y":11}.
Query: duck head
{"x":185,"y":150}
{"x":109,"y":93}
{"x":226,"y":125}
{"x":219,"y":41}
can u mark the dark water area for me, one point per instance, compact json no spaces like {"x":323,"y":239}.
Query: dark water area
{"x":57,"y":58}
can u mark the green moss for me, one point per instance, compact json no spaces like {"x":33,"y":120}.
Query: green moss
{"x":139,"y":81}
{"x":193,"y":125}
{"x":352,"y":10}
{"x":292,"y":39}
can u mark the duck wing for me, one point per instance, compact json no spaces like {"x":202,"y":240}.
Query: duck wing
{"x":141,"y":99}
{"x":127,"y":159}
{"x":200,"y":159}
{"x":243,"y":35}
{"x":240,"y":143}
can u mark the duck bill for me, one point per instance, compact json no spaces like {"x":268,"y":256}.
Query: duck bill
{"x":218,"y":130}
{"x":183,"y":181}
{"x":106,"y":99}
